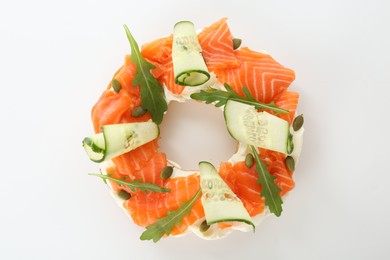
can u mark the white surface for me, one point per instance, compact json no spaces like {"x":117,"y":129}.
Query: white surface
{"x":191,"y":137}
{"x":56,"y":58}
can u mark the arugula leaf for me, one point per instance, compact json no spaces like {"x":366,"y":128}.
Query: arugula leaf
{"x":220,"y":98}
{"x":104,"y":180}
{"x":152,"y":93}
{"x":165,"y":225}
{"x":269,"y":189}
{"x":137,"y":184}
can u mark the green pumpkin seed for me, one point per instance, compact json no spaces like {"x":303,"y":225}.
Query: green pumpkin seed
{"x":138,"y":111}
{"x":290,"y":143}
{"x":204,"y":227}
{"x":249,"y":160}
{"x":298,"y":122}
{"x":166,"y":172}
{"x":116,"y":85}
{"x":236,"y":43}
{"x":124,"y":195}
{"x":290,"y":163}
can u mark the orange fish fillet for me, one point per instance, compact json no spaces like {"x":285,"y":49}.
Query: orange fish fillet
{"x":159,"y":54}
{"x":259,"y":72}
{"x":277,"y":167}
{"x":243,"y":180}
{"x":109,"y":109}
{"x":145,"y":209}
{"x":287,"y":100}
{"x":217,"y":46}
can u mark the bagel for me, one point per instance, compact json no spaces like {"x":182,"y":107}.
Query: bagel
{"x":249,"y":81}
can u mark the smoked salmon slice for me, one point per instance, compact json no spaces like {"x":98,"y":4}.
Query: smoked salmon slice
{"x":134,"y":163}
{"x":145,"y":209}
{"x":277,"y":167}
{"x":259,"y":72}
{"x":243,"y":182}
{"x":109,"y":109}
{"x":217,"y":46}
{"x":159,"y":50}
{"x":115,"y":108}
{"x":159,"y":53}
{"x":287,"y":100}
{"x":149,"y":172}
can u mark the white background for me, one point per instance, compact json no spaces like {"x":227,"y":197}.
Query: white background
{"x":57,"y":57}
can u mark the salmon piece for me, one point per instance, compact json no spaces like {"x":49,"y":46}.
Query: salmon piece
{"x":259,"y":72}
{"x":243,"y":182}
{"x":278,"y":168}
{"x":168,"y":79}
{"x":196,"y":213}
{"x":148,"y":173}
{"x":125,"y":77}
{"x":129,"y":163}
{"x":223,"y":225}
{"x":159,"y":50}
{"x":158,"y":71}
{"x":109,"y":109}
{"x":145,"y":209}
{"x":217,"y":46}
{"x":287,"y":100}
{"x":159,"y":53}
{"x":115,"y":108}
{"x":283,"y":176}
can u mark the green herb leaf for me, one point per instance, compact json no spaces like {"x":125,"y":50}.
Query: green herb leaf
{"x":104,"y":180}
{"x":269,"y":189}
{"x":132,"y":185}
{"x":152,"y":93}
{"x":165,"y":225}
{"x":220,"y":98}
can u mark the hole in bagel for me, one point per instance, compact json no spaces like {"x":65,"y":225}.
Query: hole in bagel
{"x":192,"y":132}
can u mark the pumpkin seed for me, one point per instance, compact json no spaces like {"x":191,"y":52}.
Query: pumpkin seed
{"x":236,"y":43}
{"x":204,"y":227}
{"x":166,"y":172}
{"x":138,"y":111}
{"x":124,"y":195}
{"x":298,"y":122}
{"x":116,"y":85}
{"x":290,"y":163}
{"x":249,"y":160}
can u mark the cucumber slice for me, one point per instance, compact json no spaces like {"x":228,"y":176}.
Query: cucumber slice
{"x":219,"y":202}
{"x":260,"y":129}
{"x":119,"y":139}
{"x":94,"y":146}
{"x":188,"y":64}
